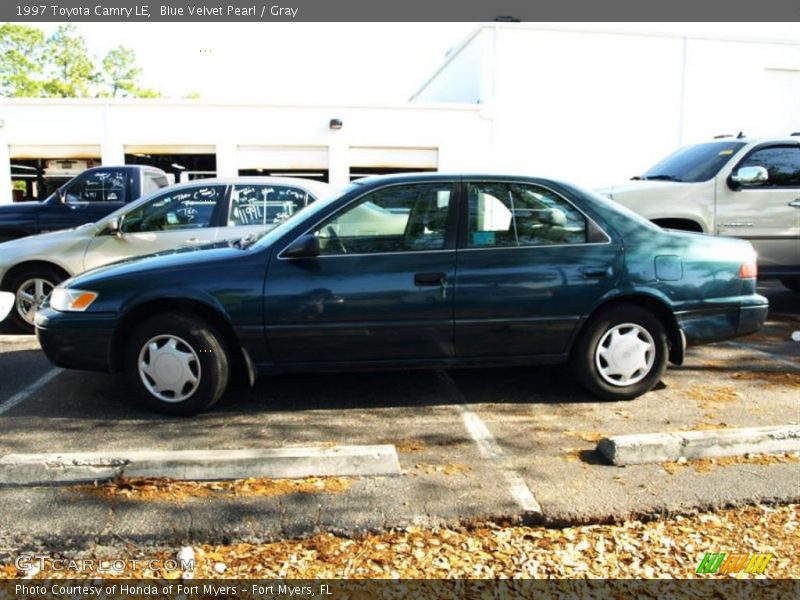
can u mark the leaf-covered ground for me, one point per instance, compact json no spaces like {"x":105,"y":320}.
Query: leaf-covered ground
{"x":663,"y":548}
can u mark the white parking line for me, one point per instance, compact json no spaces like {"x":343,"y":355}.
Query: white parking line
{"x":23,"y":395}
{"x":489,"y":448}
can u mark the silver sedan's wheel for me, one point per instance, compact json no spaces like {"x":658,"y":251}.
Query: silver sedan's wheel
{"x":169,"y":368}
{"x":30,"y":295}
{"x":625,"y":354}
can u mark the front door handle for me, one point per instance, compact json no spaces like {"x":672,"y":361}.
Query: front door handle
{"x":193,"y":241}
{"x":795,"y":203}
{"x":431,"y":279}
{"x":595,"y":273}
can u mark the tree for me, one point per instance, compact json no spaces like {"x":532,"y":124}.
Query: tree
{"x":60,"y":66}
{"x":120,"y":71}
{"x":72,"y":71}
{"x":22,"y":52}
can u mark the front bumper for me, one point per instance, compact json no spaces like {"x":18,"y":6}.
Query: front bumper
{"x":76,"y":340}
{"x":715,"y":324}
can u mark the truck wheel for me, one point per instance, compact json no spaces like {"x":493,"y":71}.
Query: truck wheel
{"x":178,"y":364}
{"x":30,"y":288}
{"x":621,"y":353}
{"x":792,"y":283}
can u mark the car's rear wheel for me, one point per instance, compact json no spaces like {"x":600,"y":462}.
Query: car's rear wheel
{"x":178,"y":364}
{"x":30,"y":288}
{"x":621,"y":353}
{"x":792,"y":283}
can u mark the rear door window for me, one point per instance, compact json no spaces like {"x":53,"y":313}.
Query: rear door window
{"x":259,"y":204}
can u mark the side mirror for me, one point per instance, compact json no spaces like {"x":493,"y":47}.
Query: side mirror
{"x":114,"y":227}
{"x":750,"y":176}
{"x":306,"y":246}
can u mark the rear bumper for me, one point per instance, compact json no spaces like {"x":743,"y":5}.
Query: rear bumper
{"x":78,"y":341}
{"x":715,"y":324}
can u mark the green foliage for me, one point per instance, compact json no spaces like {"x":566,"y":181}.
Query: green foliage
{"x":21,"y":60}
{"x":72,"y":72}
{"x":60,"y":66}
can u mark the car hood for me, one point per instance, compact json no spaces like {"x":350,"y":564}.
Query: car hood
{"x":653,"y":189}
{"x":43,"y":242}
{"x":20,"y":208}
{"x":177,"y":259}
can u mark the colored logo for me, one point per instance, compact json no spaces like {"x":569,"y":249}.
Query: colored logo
{"x":729,"y":564}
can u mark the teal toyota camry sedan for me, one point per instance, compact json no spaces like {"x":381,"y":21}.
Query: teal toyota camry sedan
{"x":412,"y":271}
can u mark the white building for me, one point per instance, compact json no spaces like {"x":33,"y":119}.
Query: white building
{"x":591,"y":106}
{"x":597,"y":106}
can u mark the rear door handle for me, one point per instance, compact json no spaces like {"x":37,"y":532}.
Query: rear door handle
{"x":594,"y":273}
{"x":422,"y":279}
{"x":795,"y":203}
{"x":431,"y":279}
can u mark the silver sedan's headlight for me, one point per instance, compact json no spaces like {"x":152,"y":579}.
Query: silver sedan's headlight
{"x":67,"y":300}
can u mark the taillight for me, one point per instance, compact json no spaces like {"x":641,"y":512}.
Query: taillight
{"x":748,"y":270}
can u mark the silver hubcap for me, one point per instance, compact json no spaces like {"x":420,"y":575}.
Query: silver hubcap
{"x":625,"y":354}
{"x":30,"y":296}
{"x":169,"y":368}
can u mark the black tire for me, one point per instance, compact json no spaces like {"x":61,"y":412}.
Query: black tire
{"x":791,"y":283}
{"x":51,"y":275}
{"x":583,"y":359}
{"x":210,"y":364}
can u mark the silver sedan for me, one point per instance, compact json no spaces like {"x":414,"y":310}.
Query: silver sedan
{"x":198,"y":212}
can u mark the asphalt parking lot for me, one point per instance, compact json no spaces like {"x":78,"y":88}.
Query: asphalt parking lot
{"x":473,"y":444}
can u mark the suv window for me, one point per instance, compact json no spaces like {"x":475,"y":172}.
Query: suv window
{"x":265,"y":204}
{"x":152,"y":182}
{"x":694,"y":163}
{"x":403,"y":218}
{"x":512,"y":215}
{"x":781,"y":162}
{"x":190,"y":208}
{"x":100,"y":186}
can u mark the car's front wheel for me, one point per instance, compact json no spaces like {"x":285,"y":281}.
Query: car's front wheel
{"x":621,"y":353}
{"x":30,"y":288}
{"x":178,"y":364}
{"x":792,"y":283}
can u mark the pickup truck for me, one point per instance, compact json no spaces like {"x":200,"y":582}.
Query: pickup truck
{"x":85,"y":198}
{"x":736,"y":187}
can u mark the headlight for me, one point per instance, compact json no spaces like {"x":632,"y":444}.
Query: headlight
{"x":67,"y":300}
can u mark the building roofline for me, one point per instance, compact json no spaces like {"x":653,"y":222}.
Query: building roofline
{"x":559,"y":28}
{"x":170,"y":102}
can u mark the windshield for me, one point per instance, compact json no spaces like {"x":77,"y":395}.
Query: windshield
{"x":267,"y":237}
{"x":694,"y":163}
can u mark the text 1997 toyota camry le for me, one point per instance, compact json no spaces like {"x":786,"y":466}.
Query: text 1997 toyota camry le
{"x":410,"y":271}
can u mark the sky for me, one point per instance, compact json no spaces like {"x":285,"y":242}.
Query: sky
{"x":323,"y":63}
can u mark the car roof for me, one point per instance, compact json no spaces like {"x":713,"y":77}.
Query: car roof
{"x":309,"y":184}
{"x":426,"y":176}
{"x":754,"y":140}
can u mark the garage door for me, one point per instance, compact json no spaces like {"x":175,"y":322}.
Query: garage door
{"x":404,"y":158}
{"x":46,"y":151}
{"x":282,"y":157}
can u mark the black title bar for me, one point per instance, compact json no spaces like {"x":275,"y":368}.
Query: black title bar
{"x":398,"y":10}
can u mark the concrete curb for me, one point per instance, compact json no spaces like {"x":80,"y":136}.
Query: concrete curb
{"x":17,"y":339}
{"x":198,"y":465}
{"x":661,"y":447}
